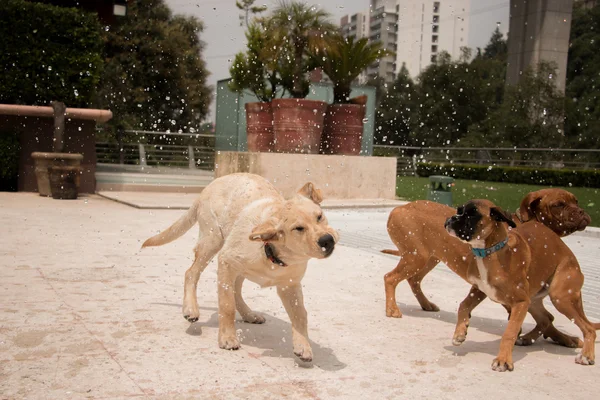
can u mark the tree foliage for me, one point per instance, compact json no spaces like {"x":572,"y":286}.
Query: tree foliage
{"x":396,"y":114}
{"x":583,"y":80}
{"x":465,"y":102}
{"x":249,"y":8}
{"x":344,"y":59}
{"x":257,"y":69}
{"x":497,"y":46}
{"x":154,"y":77}
{"x":302,"y":29}
{"x":48,"y":53}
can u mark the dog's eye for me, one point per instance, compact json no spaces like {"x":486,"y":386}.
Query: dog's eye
{"x":299,"y":228}
{"x":320,"y":217}
{"x":460,"y":210}
{"x":559,"y":205}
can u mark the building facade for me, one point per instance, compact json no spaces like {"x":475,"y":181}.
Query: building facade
{"x":416,"y":30}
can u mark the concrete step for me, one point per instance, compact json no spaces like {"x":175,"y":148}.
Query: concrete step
{"x":144,"y":182}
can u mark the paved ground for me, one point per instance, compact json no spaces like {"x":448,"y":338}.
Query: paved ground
{"x":85,"y":314}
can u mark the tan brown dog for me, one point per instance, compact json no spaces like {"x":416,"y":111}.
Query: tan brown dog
{"x":417,"y":229}
{"x":260,"y":236}
{"x":517,"y":269}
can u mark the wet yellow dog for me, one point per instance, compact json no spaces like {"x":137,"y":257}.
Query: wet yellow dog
{"x":260,"y":236}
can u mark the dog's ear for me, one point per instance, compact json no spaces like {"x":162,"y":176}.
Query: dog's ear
{"x":265,"y":232}
{"x":529,"y":205}
{"x":500,"y":215}
{"x":310,"y":191}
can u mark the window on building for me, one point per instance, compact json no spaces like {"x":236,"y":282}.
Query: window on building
{"x":434,"y":39}
{"x":435,"y":28}
{"x":436,"y":19}
{"x":436,"y":7}
{"x":434,"y":48}
{"x":433,"y":58}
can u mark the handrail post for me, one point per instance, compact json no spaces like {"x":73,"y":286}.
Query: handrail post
{"x":142,"y":151}
{"x":191,"y":158}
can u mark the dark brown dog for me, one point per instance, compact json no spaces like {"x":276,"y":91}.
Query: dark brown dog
{"x":417,"y":229}
{"x":517,"y":269}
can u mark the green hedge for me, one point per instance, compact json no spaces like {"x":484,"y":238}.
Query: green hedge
{"x":9,"y":161}
{"x":48,"y":53}
{"x":532,"y":176}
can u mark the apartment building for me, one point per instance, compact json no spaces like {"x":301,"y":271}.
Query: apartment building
{"x":416,"y":30}
{"x":383,"y":28}
{"x":426,"y":28}
{"x":356,"y":26}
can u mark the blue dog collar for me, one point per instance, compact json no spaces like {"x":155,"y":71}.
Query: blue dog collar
{"x":490,"y":250}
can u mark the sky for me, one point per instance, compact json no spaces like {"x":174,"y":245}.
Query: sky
{"x":224,"y":37}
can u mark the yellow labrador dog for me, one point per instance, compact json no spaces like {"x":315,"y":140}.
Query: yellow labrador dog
{"x":259,"y":236}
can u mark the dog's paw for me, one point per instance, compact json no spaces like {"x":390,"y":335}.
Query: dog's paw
{"x":572,"y":342}
{"x":393,"y":312}
{"x":229,"y":342}
{"x":254,"y":318}
{"x":303,"y":352}
{"x":191,"y":313}
{"x":583,"y":360}
{"x":501,"y":365}
{"x":457,"y":340}
{"x":430,"y":307}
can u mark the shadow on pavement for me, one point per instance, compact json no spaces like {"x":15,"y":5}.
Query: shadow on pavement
{"x":274,"y":337}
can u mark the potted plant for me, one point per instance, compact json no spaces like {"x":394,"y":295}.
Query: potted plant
{"x":298,"y":122}
{"x":343,"y":61}
{"x":256,"y":71}
{"x":58,"y":173}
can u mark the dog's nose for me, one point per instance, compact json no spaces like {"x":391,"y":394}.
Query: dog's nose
{"x":326,"y":243}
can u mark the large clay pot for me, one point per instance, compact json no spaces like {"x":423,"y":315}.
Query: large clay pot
{"x":298,"y":125}
{"x":64,"y":181}
{"x":44,"y":160}
{"x":259,"y":127}
{"x":343,"y":130}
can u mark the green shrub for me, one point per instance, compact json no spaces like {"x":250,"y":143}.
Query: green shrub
{"x":9,"y":161}
{"x":532,"y":176}
{"x":48,"y":53}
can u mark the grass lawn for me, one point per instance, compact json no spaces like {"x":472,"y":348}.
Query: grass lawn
{"x":505,"y":195}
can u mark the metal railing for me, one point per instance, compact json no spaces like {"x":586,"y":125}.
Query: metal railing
{"x":409,"y":156}
{"x":190,"y":156}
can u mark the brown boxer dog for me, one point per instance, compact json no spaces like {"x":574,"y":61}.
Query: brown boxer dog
{"x":417,"y":229}
{"x":517,"y":269}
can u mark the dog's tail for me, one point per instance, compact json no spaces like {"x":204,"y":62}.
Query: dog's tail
{"x":392,"y":252}
{"x":181,"y":226}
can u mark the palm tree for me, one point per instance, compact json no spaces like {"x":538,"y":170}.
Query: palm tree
{"x":302,"y":28}
{"x":343,"y":61}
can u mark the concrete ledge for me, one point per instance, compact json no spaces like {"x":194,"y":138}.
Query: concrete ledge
{"x":339,"y":177}
{"x":183,"y":201}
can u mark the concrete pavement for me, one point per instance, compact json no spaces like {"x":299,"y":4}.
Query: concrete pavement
{"x":85,"y":314}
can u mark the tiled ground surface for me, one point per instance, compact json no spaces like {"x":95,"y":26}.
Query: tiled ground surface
{"x":85,"y":314}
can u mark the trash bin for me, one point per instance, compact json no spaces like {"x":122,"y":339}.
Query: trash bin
{"x":440,"y":189}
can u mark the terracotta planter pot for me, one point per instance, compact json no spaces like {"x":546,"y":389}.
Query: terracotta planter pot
{"x":298,"y":125}
{"x":259,"y":127}
{"x":44,"y":160}
{"x":64,"y":181}
{"x":343,"y":130}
